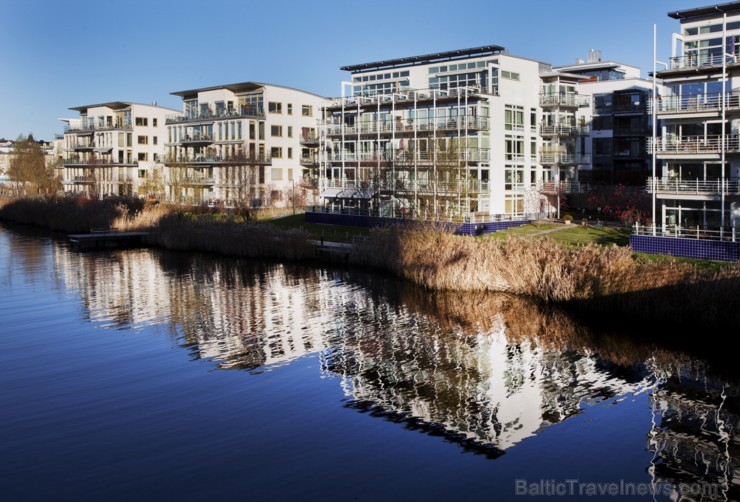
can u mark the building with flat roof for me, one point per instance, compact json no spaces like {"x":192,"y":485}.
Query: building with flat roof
{"x":452,"y":135}
{"x":617,"y":122}
{"x":249,"y":143}
{"x":114,"y":148}
{"x":698,"y":144}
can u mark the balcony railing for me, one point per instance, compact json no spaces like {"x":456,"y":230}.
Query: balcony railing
{"x":700,"y":60}
{"x":563,"y":130}
{"x":195,"y":181}
{"x":564,"y":158}
{"x":406,"y":96}
{"x":569,"y":99}
{"x":697,"y":103}
{"x":95,"y":127}
{"x":309,"y":139}
{"x":208,"y":115}
{"x":309,"y":160}
{"x":563,"y":187}
{"x":409,"y":185}
{"x":408,"y":126}
{"x":728,"y":186}
{"x":82,"y":180}
{"x":215,"y":159}
{"x":197,"y":138}
{"x":96,"y":162}
{"x":409,"y":157}
{"x":694,"y":145}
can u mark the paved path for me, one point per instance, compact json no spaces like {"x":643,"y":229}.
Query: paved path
{"x":548,"y":231}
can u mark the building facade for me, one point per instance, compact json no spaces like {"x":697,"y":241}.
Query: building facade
{"x":698,"y":144}
{"x":452,"y":135}
{"x":115,"y":148}
{"x":617,"y":122}
{"x":249,"y":143}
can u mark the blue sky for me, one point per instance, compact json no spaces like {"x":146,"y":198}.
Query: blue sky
{"x":57,"y":55}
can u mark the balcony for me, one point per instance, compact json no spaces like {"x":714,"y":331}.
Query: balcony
{"x":74,"y":161}
{"x":210,"y":116}
{"x":196,"y":138}
{"x":412,"y":126}
{"x":693,"y":61}
{"x":699,"y":103}
{"x":408,"y":185}
{"x":563,"y":130}
{"x":195,"y":181}
{"x":90,"y":128}
{"x":728,"y":186}
{"x":408,"y":157}
{"x":548,"y":158}
{"x":406,"y":96}
{"x":215,"y":159}
{"x":81,"y":180}
{"x":694,"y":145}
{"x":309,"y":160}
{"x":640,"y":131}
{"x":554,"y":187}
{"x":567,"y":100}
{"x":309,"y":140}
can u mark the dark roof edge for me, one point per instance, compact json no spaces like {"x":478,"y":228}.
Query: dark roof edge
{"x":426,"y":58}
{"x":703,"y":11}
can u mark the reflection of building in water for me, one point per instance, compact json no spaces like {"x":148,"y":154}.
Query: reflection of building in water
{"x":511,"y":372}
{"x":118,"y":289}
{"x":480,"y":389}
{"x":693,"y":436}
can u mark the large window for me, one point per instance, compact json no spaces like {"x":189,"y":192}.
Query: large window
{"x":307,"y":110}
{"x":142,"y":121}
{"x":274,"y":107}
{"x":142,"y":140}
{"x":276,"y":131}
{"x":513,"y":118}
{"x":276,"y":152}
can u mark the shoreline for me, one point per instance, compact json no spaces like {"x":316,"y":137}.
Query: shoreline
{"x":596,"y":280}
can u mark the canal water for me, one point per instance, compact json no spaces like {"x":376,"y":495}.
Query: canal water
{"x":149,"y":375}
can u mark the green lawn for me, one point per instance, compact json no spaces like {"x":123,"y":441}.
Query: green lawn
{"x":568,"y":234}
{"x":332,"y":233}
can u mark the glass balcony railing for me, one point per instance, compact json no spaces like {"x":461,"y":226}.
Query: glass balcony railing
{"x":210,"y":115}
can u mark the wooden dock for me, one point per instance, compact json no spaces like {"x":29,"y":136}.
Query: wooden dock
{"x":108,"y":238}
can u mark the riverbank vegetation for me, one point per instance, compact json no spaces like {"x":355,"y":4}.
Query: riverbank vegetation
{"x":599,"y":278}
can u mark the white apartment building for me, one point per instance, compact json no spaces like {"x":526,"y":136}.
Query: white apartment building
{"x":114,"y":148}
{"x":617,"y":122}
{"x":248,"y":143}
{"x":451,"y":135}
{"x":698,"y":144}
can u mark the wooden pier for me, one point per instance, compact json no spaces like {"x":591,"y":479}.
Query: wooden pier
{"x":108,"y":238}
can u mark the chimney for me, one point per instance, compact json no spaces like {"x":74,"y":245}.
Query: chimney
{"x":594,"y":56}
{"x":580,"y":61}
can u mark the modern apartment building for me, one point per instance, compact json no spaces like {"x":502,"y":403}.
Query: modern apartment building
{"x":114,"y":148}
{"x":451,"y":135}
{"x":617,"y":122}
{"x":698,"y":144}
{"x":248,"y":143}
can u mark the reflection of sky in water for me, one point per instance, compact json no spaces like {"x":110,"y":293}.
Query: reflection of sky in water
{"x":482,"y":371}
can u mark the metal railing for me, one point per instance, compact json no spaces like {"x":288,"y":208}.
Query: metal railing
{"x":243,"y":111}
{"x":93,"y":162}
{"x":216,"y":159}
{"x":82,"y":179}
{"x":309,"y":138}
{"x":404,"y":213}
{"x":691,"y":103}
{"x":563,"y":187}
{"x":196,"y":138}
{"x":696,"y":233}
{"x":98,"y":127}
{"x":692,"y":145}
{"x":569,"y":99}
{"x":728,"y":186}
{"x":409,"y":185}
{"x":699,"y":60}
{"x":563,"y":130}
{"x":564,"y":158}
{"x":309,"y":160}
{"x":404,"y":96}
{"x":196,"y":181}
{"x":407,"y":125}
{"x":409,"y":157}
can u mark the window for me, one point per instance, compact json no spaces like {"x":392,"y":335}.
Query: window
{"x":274,"y":107}
{"x":510,"y":75}
{"x":262,"y":130}
{"x":142,"y":156}
{"x":276,"y":131}
{"x":154,"y":140}
{"x":154,"y":122}
{"x":142,"y":140}
{"x":290,"y":108}
{"x":603,"y":103}
{"x":276,"y":152}
{"x":514,"y":149}
{"x":307,"y":111}
{"x":142,"y":121}
{"x":513,"y":118}
{"x":290,"y":131}
{"x":141,"y":173}
{"x":290,"y":153}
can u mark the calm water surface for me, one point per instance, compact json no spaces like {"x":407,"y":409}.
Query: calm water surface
{"x":145,"y":375}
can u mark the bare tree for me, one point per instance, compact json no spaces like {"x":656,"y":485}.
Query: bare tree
{"x":28,"y":169}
